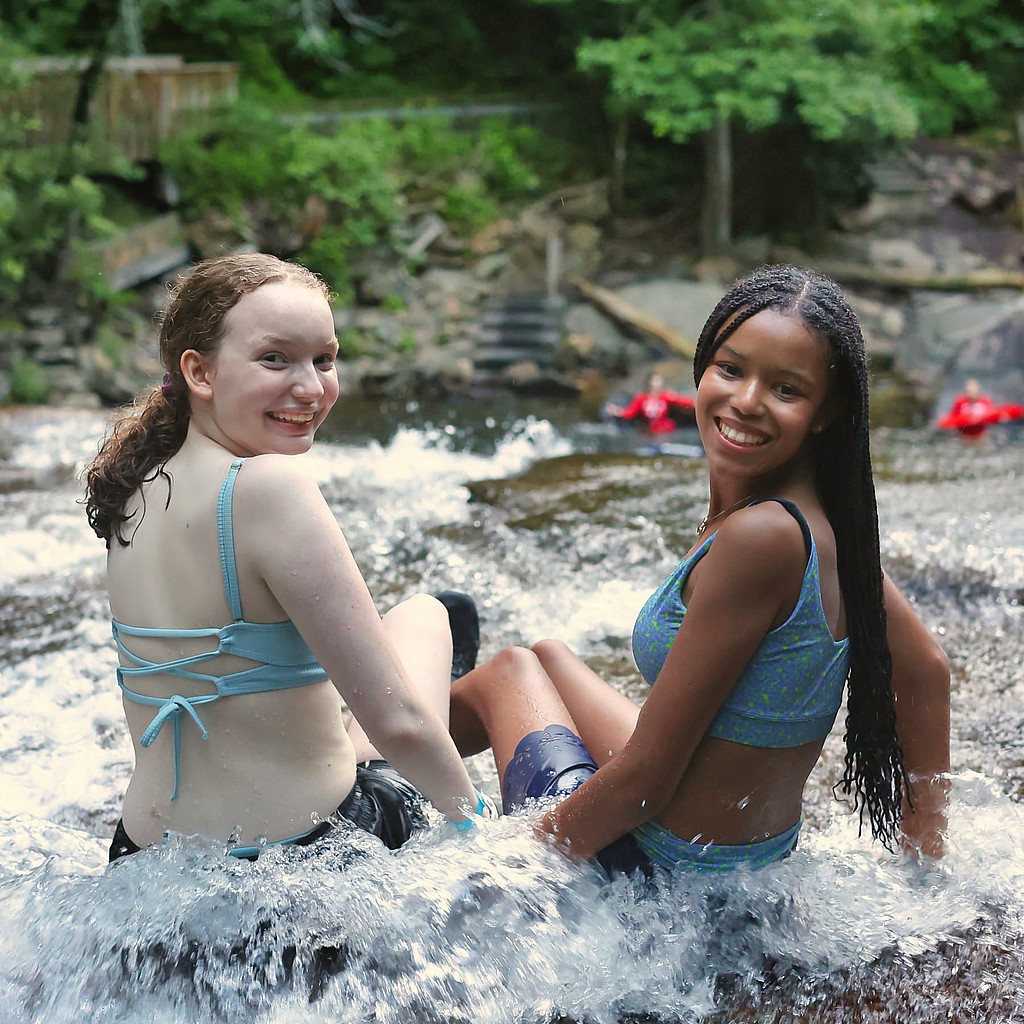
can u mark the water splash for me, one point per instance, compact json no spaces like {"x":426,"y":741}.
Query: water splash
{"x":493,"y":927}
{"x":49,"y":442}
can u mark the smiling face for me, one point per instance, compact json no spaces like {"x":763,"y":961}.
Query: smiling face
{"x":764,"y":392}
{"x":273,"y":378}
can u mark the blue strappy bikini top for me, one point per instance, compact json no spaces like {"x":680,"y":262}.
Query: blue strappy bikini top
{"x":285,"y":659}
{"x":792,"y":688}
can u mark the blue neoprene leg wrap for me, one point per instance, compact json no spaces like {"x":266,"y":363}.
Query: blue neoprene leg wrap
{"x":550,"y":762}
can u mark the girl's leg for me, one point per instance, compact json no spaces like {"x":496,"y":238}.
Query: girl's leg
{"x":420,"y":633}
{"x":605,"y":719}
{"x":502,"y":701}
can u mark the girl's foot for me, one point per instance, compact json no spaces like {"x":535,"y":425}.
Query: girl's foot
{"x":465,"y":627}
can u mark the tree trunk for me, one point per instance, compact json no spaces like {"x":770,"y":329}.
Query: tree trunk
{"x":1020,"y":174}
{"x":88,"y":85}
{"x":626,"y":313}
{"x":716,"y":223}
{"x":620,"y":138}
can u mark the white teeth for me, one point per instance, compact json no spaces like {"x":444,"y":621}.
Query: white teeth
{"x":738,"y":436}
{"x":298,"y":417}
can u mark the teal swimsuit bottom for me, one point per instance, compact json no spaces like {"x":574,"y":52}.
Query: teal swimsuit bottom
{"x":667,"y":849}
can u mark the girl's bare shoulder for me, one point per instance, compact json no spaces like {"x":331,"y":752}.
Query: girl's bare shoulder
{"x":272,"y":476}
{"x":762,"y":531}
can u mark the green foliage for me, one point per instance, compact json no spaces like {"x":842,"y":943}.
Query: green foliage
{"x":965,"y":65}
{"x":468,"y":175}
{"x":12,"y":135}
{"x":352,"y":343}
{"x":755,"y":62}
{"x":407,"y":344}
{"x":511,"y":159}
{"x":510,"y":155}
{"x":252,"y":156}
{"x":358,"y":177}
{"x":50,"y":197}
{"x":847,"y":75}
{"x":224,"y":165}
{"x":262,"y":78}
{"x":68,"y":27}
{"x":339,"y":51}
{"x":111,"y":343}
{"x":856,"y":70}
{"x":835,"y":78}
{"x":325,"y":49}
{"x":29,"y":382}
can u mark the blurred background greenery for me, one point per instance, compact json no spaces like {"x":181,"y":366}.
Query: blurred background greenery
{"x":742,"y":116}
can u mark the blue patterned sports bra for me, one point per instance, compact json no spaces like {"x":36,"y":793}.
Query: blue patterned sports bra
{"x":792,"y":688}
{"x":285,"y":659}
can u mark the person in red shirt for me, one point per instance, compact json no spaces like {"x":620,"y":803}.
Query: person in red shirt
{"x":971,"y":410}
{"x":653,"y":407}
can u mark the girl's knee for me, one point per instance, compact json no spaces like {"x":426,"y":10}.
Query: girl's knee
{"x":551,"y":649}
{"x":420,"y":608}
{"x":511,"y":669}
{"x":515,"y":662}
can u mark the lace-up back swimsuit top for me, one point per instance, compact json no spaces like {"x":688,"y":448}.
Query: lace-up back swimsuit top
{"x":284,"y":659}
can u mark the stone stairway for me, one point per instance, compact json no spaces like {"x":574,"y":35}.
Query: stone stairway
{"x":517,"y":330}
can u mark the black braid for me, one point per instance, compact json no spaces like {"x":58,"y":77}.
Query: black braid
{"x":842,"y":457}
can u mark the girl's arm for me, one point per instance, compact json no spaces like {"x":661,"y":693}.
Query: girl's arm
{"x":752,"y":572}
{"x":300,"y":552}
{"x":634,"y":408}
{"x":683,"y":401}
{"x":920,"y":683}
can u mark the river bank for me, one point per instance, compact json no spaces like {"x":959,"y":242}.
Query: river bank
{"x":932,"y":260}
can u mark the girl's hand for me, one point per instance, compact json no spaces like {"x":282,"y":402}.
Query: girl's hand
{"x":485,"y":808}
{"x":921,"y":686}
{"x":924,"y":827}
{"x":545,"y":830}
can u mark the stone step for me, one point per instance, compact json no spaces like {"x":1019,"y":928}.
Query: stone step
{"x":896,"y":178}
{"x":527,"y":301}
{"x":525,"y":328}
{"x":521,"y":317}
{"x":519,"y":335}
{"x":550,"y":384}
{"x":496,"y":358}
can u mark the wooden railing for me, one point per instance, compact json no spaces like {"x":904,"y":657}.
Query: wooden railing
{"x":139,"y":103}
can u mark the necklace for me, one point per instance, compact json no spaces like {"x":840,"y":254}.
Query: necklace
{"x":708,"y":519}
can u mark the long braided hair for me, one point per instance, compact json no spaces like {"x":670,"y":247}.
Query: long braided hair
{"x":842,"y":461}
{"x":152,"y":429}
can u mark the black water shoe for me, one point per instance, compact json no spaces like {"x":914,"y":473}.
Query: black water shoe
{"x":465,"y":626}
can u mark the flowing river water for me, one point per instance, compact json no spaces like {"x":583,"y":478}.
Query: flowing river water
{"x":558,"y":527}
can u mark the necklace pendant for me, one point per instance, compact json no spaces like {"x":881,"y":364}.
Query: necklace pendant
{"x":709,"y":518}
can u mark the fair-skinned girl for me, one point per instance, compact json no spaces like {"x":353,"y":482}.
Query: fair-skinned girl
{"x":780,"y":604}
{"x":242,"y":620}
